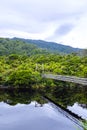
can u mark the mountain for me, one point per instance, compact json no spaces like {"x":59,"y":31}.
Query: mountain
{"x":51,"y":46}
{"x":9,"y":46}
{"x":31,"y":47}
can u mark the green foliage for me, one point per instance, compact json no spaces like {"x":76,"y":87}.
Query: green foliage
{"x":51,"y":46}
{"x":21,"y":70}
{"x":9,"y":46}
{"x":23,"y":78}
{"x":22,"y":63}
{"x":31,"y":47}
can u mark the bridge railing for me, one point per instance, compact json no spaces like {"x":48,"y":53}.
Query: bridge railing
{"x":73,"y":79}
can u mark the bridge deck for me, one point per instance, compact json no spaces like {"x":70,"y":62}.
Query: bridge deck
{"x":72,"y":79}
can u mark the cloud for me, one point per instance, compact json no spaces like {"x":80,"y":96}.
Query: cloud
{"x":78,"y":36}
{"x":64,"y":29}
{"x":44,"y":19}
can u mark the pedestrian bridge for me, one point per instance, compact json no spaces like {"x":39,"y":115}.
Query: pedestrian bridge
{"x":73,"y":79}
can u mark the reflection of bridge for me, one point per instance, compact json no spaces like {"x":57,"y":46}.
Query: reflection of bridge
{"x":72,"y":79}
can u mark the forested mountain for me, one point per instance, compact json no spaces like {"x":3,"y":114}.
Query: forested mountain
{"x":29,"y":47}
{"x":8,"y":46}
{"x":51,"y":46}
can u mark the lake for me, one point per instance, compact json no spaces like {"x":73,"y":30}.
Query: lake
{"x":30,"y":111}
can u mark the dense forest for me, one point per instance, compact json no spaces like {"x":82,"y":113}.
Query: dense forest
{"x":21,"y":64}
{"x":21,"y":70}
{"x":53,"y":47}
{"x":8,"y":46}
{"x":29,"y":47}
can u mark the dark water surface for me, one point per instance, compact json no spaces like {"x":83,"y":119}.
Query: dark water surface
{"x":26,"y":111}
{"x":72,"y":98}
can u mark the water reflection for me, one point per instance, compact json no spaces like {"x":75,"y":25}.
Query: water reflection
{"x":24,"y":96}
{"x":28,"y":110}
{"x":70,"y":96}
{"x":79,"y":109}
{"x":27,"y":116}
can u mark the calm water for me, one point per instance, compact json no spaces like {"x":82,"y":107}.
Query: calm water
{"x":34,"y":117}
{"x":26,"y":111}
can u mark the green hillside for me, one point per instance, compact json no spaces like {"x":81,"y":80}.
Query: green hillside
{"x":8,"y":46}
{"x":51,"y":46}
{"x":30,"y":47}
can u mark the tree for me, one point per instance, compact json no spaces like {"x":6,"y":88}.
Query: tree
{"x":23,"y":78}
{"x":84,"y":52}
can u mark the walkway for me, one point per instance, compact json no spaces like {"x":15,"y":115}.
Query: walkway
{"x":72,"y":79}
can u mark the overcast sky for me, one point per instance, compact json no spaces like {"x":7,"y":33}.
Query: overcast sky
{"x":62,"y":21}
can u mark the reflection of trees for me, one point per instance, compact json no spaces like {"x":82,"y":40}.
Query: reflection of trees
{"x":13,"y":97}
{"x":69,"y":94}
{"x":65,"y":94}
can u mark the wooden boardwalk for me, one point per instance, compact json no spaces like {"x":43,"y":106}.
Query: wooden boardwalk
{"x":72,"y":79}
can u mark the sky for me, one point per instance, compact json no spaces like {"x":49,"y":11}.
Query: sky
{"x":61,"y":21}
